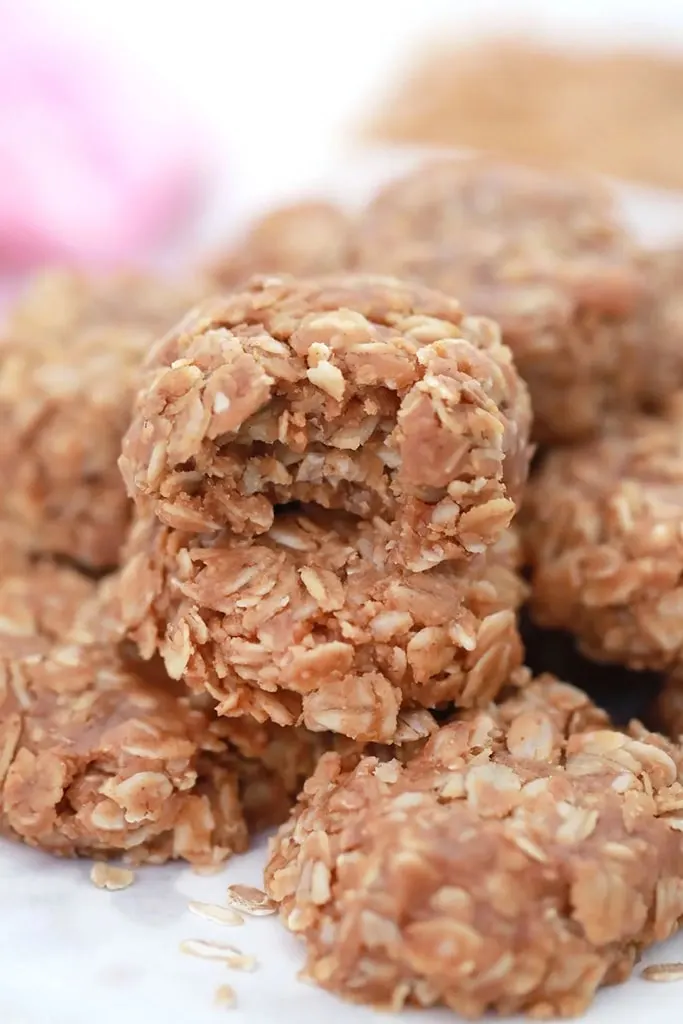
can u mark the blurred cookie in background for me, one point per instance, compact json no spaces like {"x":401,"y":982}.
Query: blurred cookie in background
{"x":309,"y":237}
{"x":547,"y":257}
{"x":69,"y":358}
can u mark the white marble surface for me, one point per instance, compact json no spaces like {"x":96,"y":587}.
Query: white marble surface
{"x":74,"y":954}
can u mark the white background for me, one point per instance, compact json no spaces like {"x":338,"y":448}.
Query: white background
{"x":279,"y":84}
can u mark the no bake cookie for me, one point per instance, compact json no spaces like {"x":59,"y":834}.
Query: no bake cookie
{"x":312,"y":623}
{"x":520,"y":862}
{"x":101,"y":754}
{"x":304,"y":238}
{"x":602,"y":527}
{"x":356,"y":393}
{"x":69,"y":358}
{"x":544,"y":256}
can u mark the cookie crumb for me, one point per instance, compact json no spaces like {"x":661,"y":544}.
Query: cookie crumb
{"x":225,"y":996}
{"x":104,"y":876}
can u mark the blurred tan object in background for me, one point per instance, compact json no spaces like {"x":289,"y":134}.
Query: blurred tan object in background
{"x":69,"y":357}
{"x":617,"y":112}
{"x":309,"y":237}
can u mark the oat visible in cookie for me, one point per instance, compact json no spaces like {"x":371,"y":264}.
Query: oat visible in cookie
{"x":42,"y":600}
{"x":603,"y":532}
{"x":304,"y":238}
{"x":519,"y":863}
{"x":543,"y":255}
{"x":69,"y":358}
{"x":357,"y":393}
{"x":660,"y":322}
{"x":102,"y":754}
{"x":311,"y":623}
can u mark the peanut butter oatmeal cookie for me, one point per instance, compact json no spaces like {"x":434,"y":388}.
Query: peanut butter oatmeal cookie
{"x":357,"y":393}
{"x":14,"y":555}
{"x":544,"y":256}
{"x":309,"y":237}
{"x":520,"y":862}
{"x":102,"y":754}
{"x":311,"y":622}
{"x":69,"y":359}
{"x":660,"y":323}
{"x":602,"y":526}
{"x":42,"y":600}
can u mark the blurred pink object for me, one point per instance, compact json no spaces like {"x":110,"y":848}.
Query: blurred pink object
{"x":92,"y":172}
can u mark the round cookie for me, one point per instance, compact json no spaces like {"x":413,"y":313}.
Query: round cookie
{"x":517,"y":864}
{"x":101,"y":754}
{"x":42,"y":600}
{"x":312,"y":623}
{"x":543,"y":255}
{"x":660,"y":323}
{"x":69,"y":359}
{"x":602,"y":529}
{"x":356,"y":393}
{"x":308,"y":237}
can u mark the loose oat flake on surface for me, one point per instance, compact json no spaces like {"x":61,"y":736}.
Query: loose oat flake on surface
{"x":230,"y":955}
{"x":663,"y":972}
{"x":104,"y":876}
{"x":214,"y":912}
{"x":250,"y":900}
